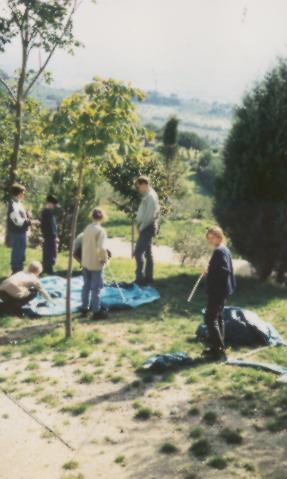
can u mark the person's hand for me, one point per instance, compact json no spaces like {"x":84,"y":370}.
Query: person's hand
{"x":35,"y":222}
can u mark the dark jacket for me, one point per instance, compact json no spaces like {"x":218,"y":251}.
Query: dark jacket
{"x":18,"y":220}
{"x":220,"y":277}
{"x":48,"y":224}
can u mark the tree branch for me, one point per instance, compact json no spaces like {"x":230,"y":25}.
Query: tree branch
{"x":9,"y":90}
{"x":40,"y":71}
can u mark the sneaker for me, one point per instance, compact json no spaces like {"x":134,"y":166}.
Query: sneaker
{"x":101,"y":314}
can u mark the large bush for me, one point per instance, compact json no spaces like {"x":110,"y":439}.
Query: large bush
{"x":251,"y":198}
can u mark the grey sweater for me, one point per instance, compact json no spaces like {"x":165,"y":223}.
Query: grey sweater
{"x":149,"y":210}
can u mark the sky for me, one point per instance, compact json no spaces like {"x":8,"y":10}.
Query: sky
{"x":210,"y":49}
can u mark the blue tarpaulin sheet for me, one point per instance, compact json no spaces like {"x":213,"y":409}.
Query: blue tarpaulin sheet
{"x":111,"y":296}
{"x":245,"y":328}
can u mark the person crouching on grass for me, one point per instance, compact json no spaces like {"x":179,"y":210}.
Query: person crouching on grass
{"x":220,"y":282}
{"x":20,"y":288}
{"x":94,"y":257}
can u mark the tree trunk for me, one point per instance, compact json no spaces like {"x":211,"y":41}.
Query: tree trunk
{"x":18,"y":127}
{"x":68,"y":322}
{"x":133,"y":237}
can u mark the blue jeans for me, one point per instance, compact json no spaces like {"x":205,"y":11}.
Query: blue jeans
{"x":93,"y":283}
{"x":18,"y":244}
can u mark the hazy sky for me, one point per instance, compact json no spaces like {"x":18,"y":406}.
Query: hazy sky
{"x":212,"y":49}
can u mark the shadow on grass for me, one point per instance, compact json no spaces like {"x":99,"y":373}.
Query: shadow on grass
{"x":27,"y":333}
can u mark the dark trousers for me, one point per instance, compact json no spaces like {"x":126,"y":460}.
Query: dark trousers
{"x":18,"y":252}
{"x":13,"y":305}
{"x":143,"y":254}
{"x":215,"y":323}
{"x":49,"y":254}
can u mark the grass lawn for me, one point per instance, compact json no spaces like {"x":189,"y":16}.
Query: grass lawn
{"x":207,"y":422}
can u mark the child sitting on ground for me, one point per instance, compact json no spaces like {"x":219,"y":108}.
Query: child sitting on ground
{"x":20,"y":288}
{"x":220,"y":282}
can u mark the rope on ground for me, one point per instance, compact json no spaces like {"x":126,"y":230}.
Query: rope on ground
{"x":37,"y":420}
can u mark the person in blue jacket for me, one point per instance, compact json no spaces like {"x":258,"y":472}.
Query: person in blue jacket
{"x":220,"y":283}
{"x":49,"y":233}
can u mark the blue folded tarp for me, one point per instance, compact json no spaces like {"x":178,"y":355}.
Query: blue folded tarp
{"x":244,"y":328}
{"x":111,"y":296}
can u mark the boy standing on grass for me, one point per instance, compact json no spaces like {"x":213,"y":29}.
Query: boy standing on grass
{"x":147,"y":221}
{"x":20,"y":288}
{"x":49,"y":233}
{"x":19,"y":222}
{"x":220,"y":282}
{"x":94,"y":257}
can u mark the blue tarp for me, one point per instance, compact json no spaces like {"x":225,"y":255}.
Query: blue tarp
{"x":111,"y":297}
{"x":245,"y":328}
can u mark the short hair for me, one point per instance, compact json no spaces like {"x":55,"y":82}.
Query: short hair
{"x":142,"y":180}
{"x":98,"y":214}
{"x":35,"y":267}
{"x":52,"y":199}
{"x":17,"y":189}
{"x":216,"y":231}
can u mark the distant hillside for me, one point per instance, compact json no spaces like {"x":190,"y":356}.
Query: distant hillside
{"x":208,"y":119}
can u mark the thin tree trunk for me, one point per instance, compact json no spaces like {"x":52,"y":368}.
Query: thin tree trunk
{"x":133,"y":237}
{"x":68,"y":322}
{"x":18,"y":127}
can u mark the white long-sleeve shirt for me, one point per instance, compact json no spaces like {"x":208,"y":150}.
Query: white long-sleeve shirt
{"x":149,"y":210}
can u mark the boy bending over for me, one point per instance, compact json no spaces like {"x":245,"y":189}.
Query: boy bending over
{"x":20,"y":288}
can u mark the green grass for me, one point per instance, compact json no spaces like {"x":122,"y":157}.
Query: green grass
{"x":168,"y":448}
{"x":115,"y":350}
{"x":231,"y":436}
{"x":201,"y":448}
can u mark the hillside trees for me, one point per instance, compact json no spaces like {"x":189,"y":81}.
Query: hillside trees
{"x":251,"y":198}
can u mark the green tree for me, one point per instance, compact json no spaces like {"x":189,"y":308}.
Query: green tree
{"x":96,"y":127}
{"x":40,"y":25}
{"x":251,"y":198}
{"x":190,"y":140}
{"x":174,"y":167}
{"x":122,"y":177}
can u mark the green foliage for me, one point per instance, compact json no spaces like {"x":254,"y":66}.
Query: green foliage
{"x":39,"y":26}
{"x":231,"y":436}
{"x":169,"y":448}
{"x":190,"y":245}
{"x":201,"y":448}
{"x":190,"y":140}
{"x":122,"y":177}
{"x":170,"y":157}
{"x":251,"y":196}
{"x":209,"y":169}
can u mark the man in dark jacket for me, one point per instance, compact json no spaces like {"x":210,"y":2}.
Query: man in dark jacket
{"x":49,"y":233}
{"x":220,"y":283}
{"x":19,"y":221}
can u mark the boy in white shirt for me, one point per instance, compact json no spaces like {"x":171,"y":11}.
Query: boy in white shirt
{"x":94,"y":257}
